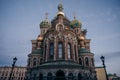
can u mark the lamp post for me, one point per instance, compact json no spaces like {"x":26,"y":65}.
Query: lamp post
{"x":103,"y":63}
{"x":13,"y":65}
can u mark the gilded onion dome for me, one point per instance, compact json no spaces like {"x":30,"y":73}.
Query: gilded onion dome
{"x":45,"y":24}
{"x":40,"y":38}
{"x":76,"y":24}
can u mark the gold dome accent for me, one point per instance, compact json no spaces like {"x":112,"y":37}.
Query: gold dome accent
{"x":81,"y":38}
{"x":40,"y":38}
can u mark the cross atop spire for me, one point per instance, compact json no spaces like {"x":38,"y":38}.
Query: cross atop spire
{"x":74,"y":14}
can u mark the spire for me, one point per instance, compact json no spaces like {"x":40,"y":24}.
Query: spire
{"x":74,"y":14}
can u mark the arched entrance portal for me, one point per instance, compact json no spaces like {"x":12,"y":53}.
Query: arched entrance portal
{"x":60,"y":75}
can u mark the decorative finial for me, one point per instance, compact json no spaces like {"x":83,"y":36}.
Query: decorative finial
{"x":60,"y":6}
{"x":46,"y":15}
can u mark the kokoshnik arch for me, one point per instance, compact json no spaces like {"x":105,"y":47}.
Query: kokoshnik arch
{"x":61,"y":51}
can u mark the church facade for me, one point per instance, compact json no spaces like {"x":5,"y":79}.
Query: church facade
{"x":61,"y":51}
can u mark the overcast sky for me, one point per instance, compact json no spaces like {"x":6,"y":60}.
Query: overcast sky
{"x":20,"y":19}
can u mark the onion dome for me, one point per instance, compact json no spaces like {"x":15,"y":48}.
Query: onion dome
{"x":37,"y":51}
{"x":81,"y":38}
{"x":60,"y":7}
{"x":76,"y":23}
{"x":45,"y":24}
{"x":40,"y":38}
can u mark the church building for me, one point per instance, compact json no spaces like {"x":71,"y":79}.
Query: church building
{"x":61,"y":51}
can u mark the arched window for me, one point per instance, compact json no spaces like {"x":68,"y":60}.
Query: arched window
{"x":79,"y":76}
{"x":69,"y":51}
{"x":49,"y":76}
{"x":80,"y":61}
{"x":34,"y":62}
{"x":86,"y":61}
{"x":51,"y":51}
{"x":60,"y":75}
{"x":60,"y":50}
{"x":40,"y":76}
{"x":70,"y":76}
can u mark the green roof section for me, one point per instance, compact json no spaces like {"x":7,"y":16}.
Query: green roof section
{"x":83,"y":50}
{"x":37,"y":51}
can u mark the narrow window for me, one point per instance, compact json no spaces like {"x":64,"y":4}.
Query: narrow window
{"x":34,"y":61}
{"x":80,"y":61}
{"x":86,"y":61}
{"x":51,"y":51}
{"x":60,"y":50}
{"x":69,"y":51}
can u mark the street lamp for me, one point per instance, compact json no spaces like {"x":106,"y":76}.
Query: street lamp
{"x":103,"y":63}
{"x":13,"y":65}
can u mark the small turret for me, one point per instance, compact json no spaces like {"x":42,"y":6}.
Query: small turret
{"x":45,"y":25}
